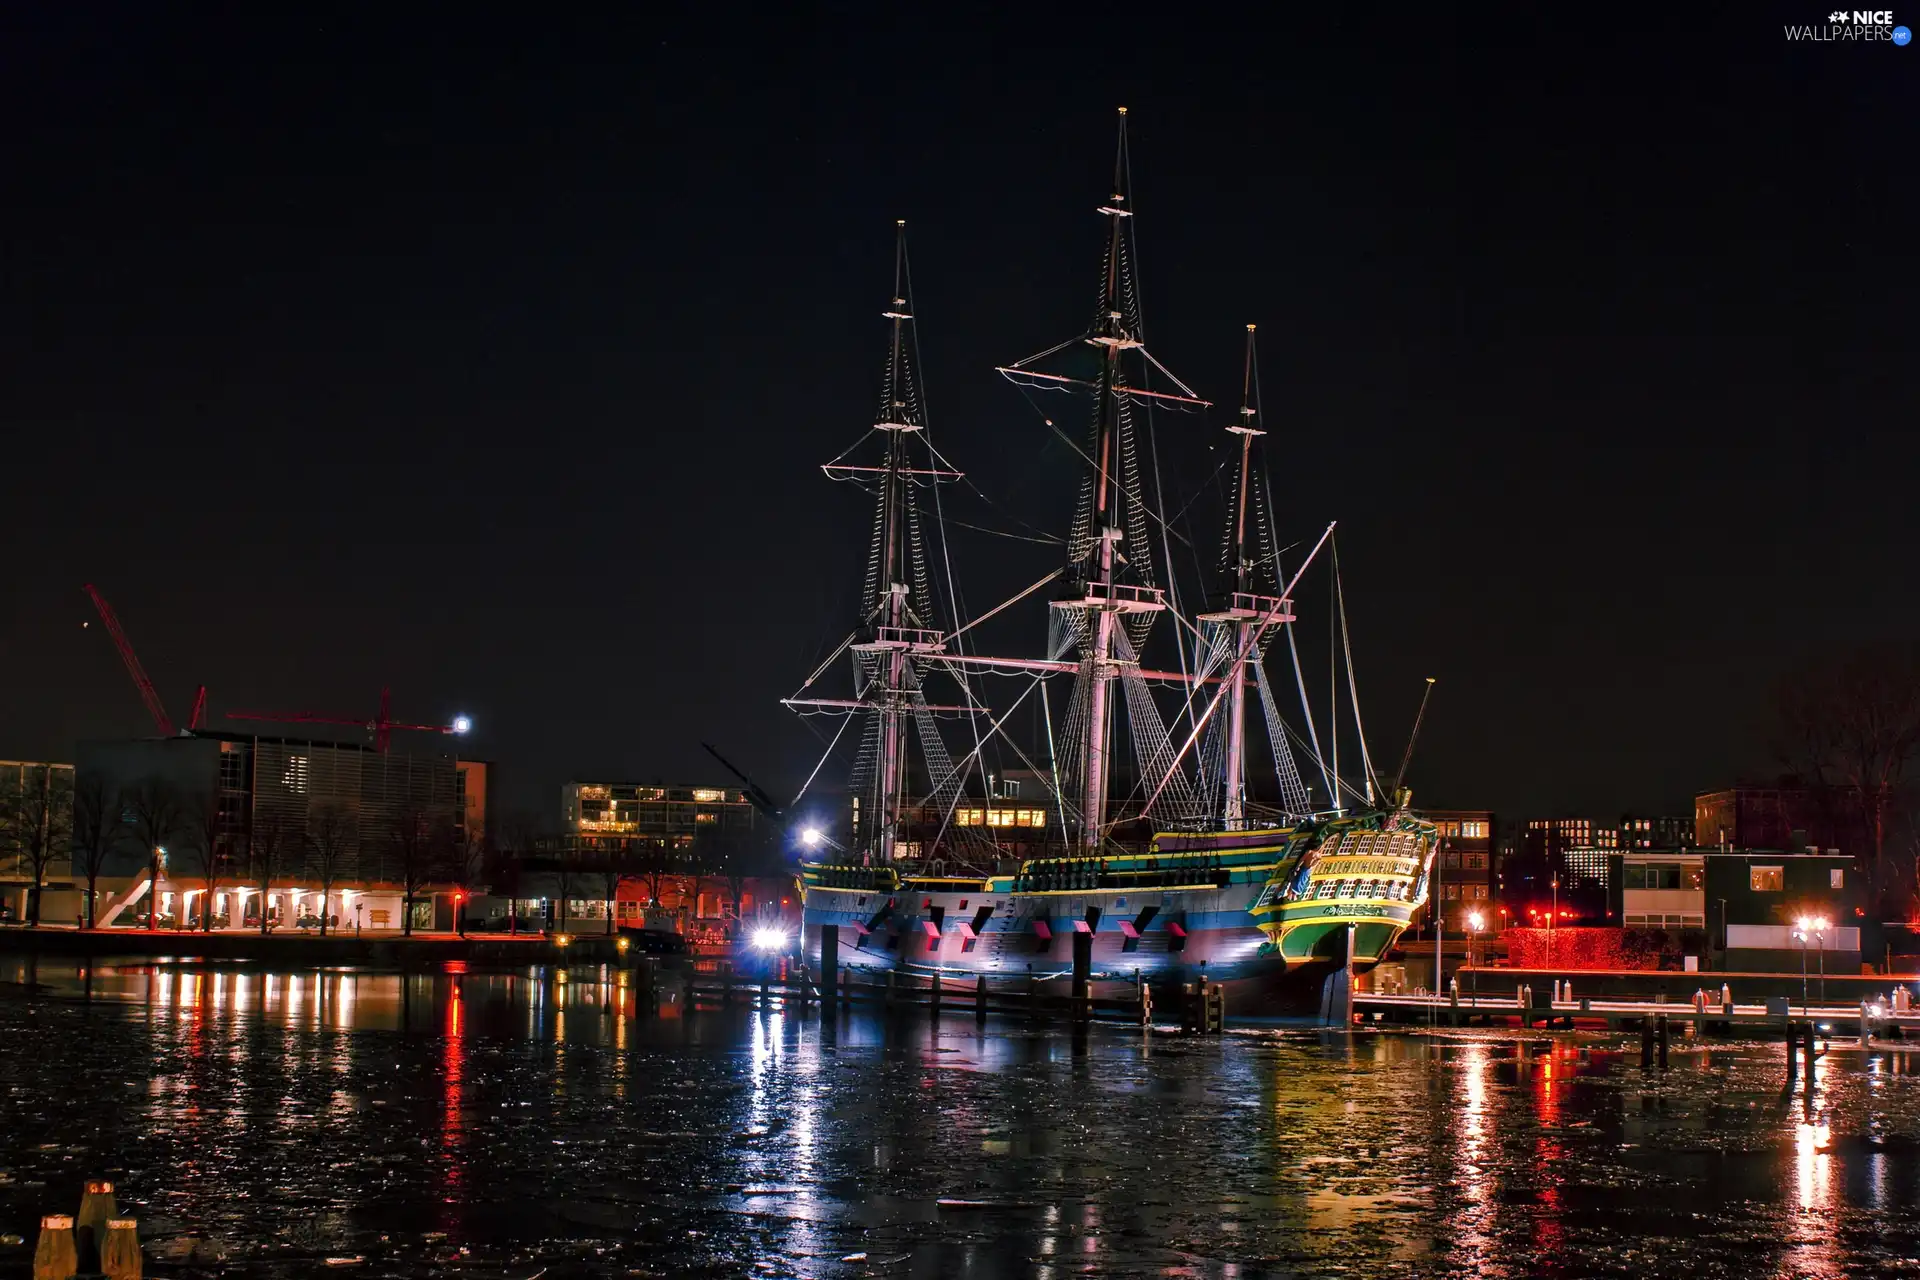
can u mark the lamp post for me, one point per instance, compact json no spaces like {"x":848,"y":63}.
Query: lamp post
{"x":1475,"y":921}
{"x":1803,"y":928}
{"x":1820,"y":926}
{"x":1552,"y":917}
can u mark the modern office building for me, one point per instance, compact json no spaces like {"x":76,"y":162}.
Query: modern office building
{"x":342,"y":819}
{"x":1660,"y":831}
{"x":666,"y":816}
{"x":21,"y":782}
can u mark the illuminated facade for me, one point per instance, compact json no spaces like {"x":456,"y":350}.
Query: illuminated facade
{"x":667,"y":816}
{"x":24,"y":779}
{"x":1467,"y":877}
{"x":335,"y":810}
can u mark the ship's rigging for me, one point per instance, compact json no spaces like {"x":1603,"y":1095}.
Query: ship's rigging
{"x":912,"y":654}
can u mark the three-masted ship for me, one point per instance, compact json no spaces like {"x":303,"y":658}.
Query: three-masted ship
{"x":1160,"y":869}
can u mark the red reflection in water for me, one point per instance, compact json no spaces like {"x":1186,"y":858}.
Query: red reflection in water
{"x":453,"y":1062}
{"x":1548,"y":1158}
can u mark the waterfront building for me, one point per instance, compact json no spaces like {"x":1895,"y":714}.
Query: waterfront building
{"x":1784,"y":817}
{"x":21,"y":781}
{"x":1468,"y":876}
{"x":347,"y":827}
{"x":666,"y":816}
{"x":1758,"y":899}
{"x":1656,"y":831}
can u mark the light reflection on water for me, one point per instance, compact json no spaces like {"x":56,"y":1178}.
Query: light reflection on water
{"x":539,"y":1118}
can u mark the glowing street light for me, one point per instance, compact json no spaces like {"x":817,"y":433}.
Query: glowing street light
{"x":462,"y":724}
{"x":812,"y":836}
{"x":769,"y":939}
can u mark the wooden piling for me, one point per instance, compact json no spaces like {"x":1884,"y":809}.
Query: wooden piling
{"x":933,"y":994}
{"x":1082,"y":974}
{"x":90,"y":1224}
{"x":1646,"y":1043}
{"x":1666,"y":1031}
{"x":980,"y":999}
{"x":891,"y":975}
{"x":1807,"y":1055}
{"x":1793,"y":1048}
{"x":120,"y":1251}
{"x":54,"y":1257}
{"x":829,"y":965}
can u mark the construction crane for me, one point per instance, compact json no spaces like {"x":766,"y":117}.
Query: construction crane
{"x":382,"y":726}
{"x":148,"y":694}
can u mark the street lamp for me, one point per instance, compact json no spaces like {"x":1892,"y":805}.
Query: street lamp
{"x":1475,"y":922}
{"x":1554,"y":914}
{"x":1820,"y":926}
{"x":1803,"y":930}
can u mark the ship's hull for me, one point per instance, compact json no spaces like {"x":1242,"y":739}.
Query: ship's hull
{"x":1211,"y":906}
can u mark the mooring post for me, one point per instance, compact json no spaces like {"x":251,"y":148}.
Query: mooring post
{"x":120,"y":1251}
{"x":1646,"y":1042}
{"x":933,"y":994}
{"x":980,"y":999}
{"x":891,"y":975}
{"x":1146,"y":1007}
{"x":54,"y":1254}
{"x":1807,"y":1056}
{"x":829,"y":966}
{"x":1082,"y":973}
{"x":1666,"y":1031}
{"x":1793,"y":1048}
{"x":1033,"y":996}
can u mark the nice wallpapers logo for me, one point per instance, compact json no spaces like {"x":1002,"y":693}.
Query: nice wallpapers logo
{"x":1859,"y":25}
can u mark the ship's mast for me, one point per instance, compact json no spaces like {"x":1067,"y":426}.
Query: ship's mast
{"x":897,"y":636}
{"x":893,"y":696}
{"x":1234,"y":808}
{"x":1254,"y":603}
{"x":1111,"y":336}
{"x":1110,"y":595}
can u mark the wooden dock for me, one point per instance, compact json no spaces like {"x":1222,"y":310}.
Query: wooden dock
{"x":1711,"y":1016}
{"x":1196,"y":1006}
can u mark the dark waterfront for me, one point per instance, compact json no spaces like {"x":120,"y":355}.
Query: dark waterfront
{"x":496,"y":1124}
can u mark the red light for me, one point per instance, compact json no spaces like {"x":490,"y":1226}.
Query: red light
{"x":459,"y":897}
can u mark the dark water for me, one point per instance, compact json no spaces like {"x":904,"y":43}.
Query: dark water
{"x":496,"y":1124}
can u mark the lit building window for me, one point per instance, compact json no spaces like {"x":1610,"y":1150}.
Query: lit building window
{"x":1766,"y":879}
{"x":707,"y":795}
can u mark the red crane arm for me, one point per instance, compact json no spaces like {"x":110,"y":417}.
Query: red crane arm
{"x":132,"y":660}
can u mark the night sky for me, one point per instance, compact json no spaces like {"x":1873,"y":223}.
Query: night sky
{"x":494,"y":361}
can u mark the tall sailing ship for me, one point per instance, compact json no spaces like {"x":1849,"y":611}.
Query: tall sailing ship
{"x":1165,"y":871}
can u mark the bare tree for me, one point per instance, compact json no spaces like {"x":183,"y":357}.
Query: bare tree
{"x":99,"y":821}
{"x":36,"y":822}
{"x":155,"y":808}
{"x":611,"y":863}
{"x":330,"y":841}
{"x":566,"y":864}
{"x":413,"y":838}
{"x":267,"y":850}
{"x":207,"y":848}
{"x":1852,"y":725}
{"x":467,"y":855}
{"x":512,"y":846}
